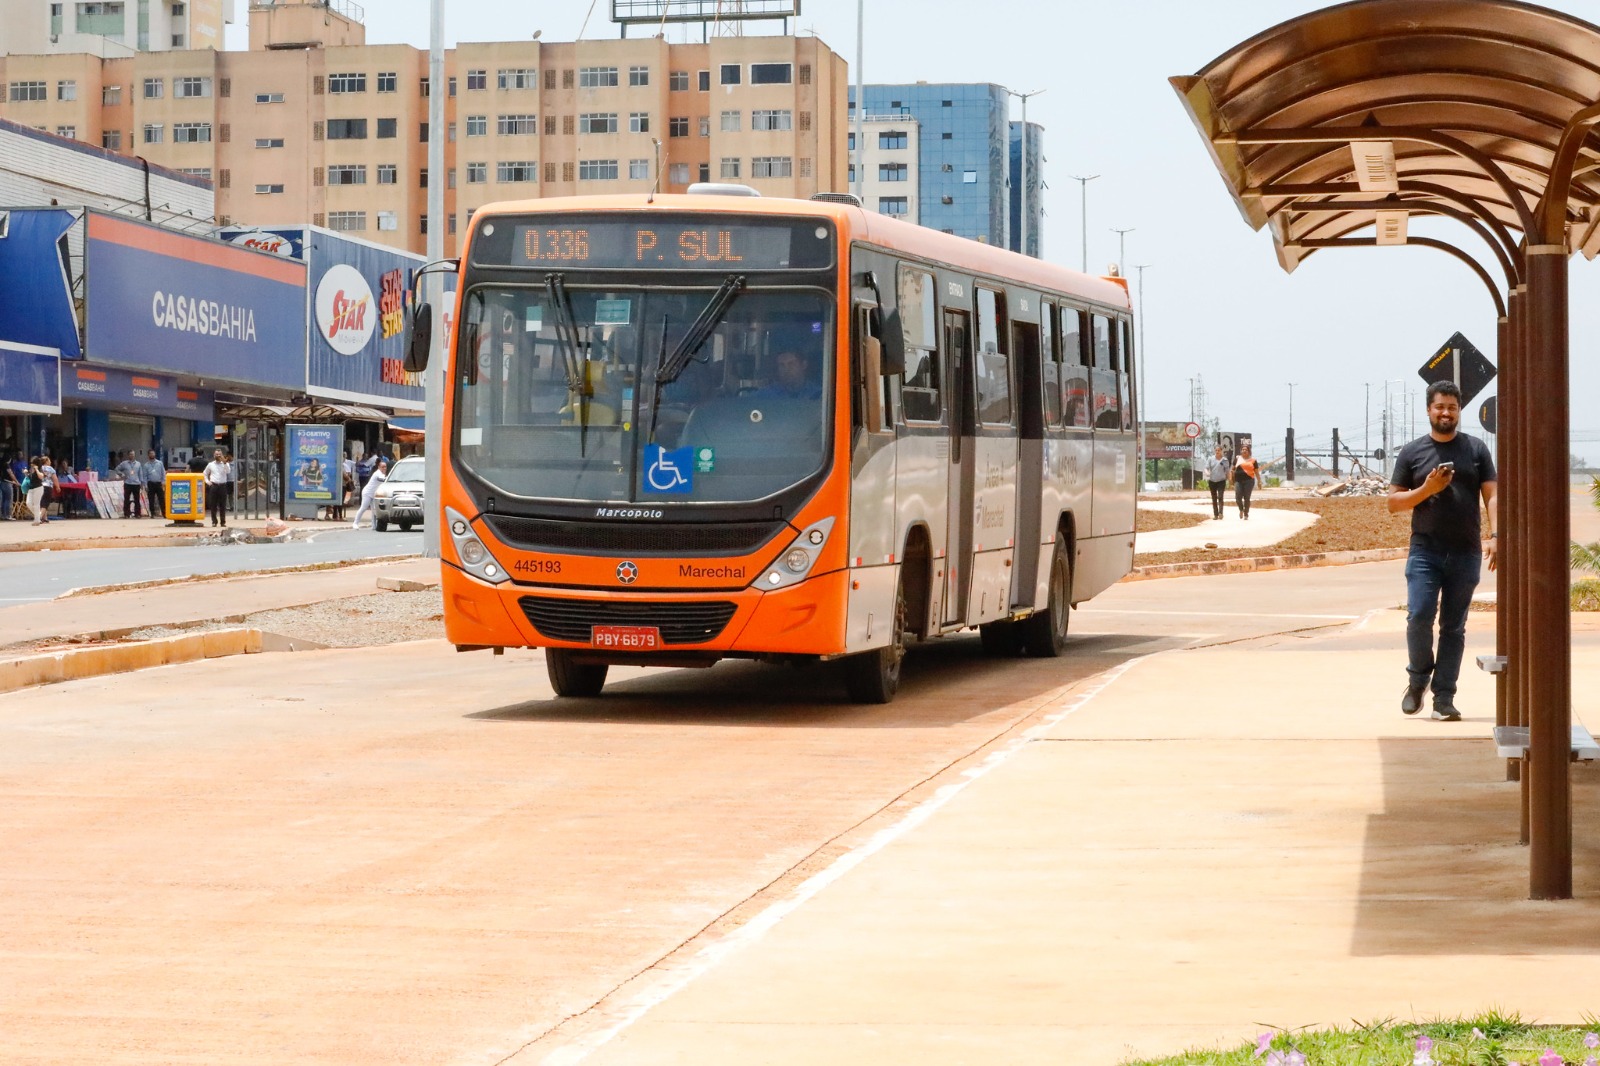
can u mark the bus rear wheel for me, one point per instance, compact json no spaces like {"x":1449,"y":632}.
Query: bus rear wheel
{"x":1044,"y":634}
{"x":573,"y":679}
{"x":874,"y":676}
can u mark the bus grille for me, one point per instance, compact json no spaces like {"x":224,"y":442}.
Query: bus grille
{"x":680,"y":623}
{"x":617,"y":538}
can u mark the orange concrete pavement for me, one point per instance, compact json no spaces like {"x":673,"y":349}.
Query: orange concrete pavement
{"x":1208,"y":842}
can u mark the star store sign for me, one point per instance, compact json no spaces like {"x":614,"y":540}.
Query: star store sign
{"x":346,"y":315}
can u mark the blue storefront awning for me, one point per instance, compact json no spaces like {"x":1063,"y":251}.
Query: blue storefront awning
{"x":30,"y":379}
{"x":36,"y":299}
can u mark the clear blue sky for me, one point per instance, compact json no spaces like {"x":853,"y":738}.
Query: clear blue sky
{"x":1216,"y":304}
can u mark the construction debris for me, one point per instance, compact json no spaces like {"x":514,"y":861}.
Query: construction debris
{"x":1356,"y":486}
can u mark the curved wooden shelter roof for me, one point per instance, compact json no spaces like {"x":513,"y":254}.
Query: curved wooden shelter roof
{"x":1495,"y":83}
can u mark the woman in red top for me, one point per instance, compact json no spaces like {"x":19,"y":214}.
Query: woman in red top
{"x":1245,"y":472}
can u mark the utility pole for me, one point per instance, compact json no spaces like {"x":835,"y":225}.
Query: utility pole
{"x":1084,"y":184}
{"x":1288,"y":451}
{"x":434,"y":379}
{"x":1140,"y":393}
{"x":861,"y":99}
{"x":1122,"y":249}
{"x":1366,"y":427}
{"x":1022,"y":196}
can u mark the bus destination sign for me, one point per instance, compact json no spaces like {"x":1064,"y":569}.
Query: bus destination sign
{"x":627,"y":245}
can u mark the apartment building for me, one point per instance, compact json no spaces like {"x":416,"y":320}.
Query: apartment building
{"x":111,"y":28}
{"x":314,"y":125}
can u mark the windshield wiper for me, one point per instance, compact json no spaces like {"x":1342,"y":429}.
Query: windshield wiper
{"x":655,"y":397}
{"x":700,"y":329}
{"x":567,"y":341}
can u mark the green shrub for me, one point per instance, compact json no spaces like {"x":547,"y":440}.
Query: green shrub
{"x":1586,"y":594}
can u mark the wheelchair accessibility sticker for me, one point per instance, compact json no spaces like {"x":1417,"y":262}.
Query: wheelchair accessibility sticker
{"x":668,"y":471}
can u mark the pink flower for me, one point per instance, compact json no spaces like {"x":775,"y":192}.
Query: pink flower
{"x":1424,"y":1043}
{"x":1277,"y":1058}
{"x":1263,"y":1042}
{"x":1295,"y":1058}
{"x":1550,"y":1058}
{"x":1590,"y":1061}
{"x":1591,"y":1040}
{"x":1477,"y":1034}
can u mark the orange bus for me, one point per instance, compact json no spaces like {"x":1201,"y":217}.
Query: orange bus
{"x":707,"y":426}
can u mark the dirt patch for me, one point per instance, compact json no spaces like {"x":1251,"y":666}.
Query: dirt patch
{"x":1148,"y":521}
{"x":1343,"y":525}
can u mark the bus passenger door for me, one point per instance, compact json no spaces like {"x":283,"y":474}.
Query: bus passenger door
{"x":963,"y":426}
{"x":1030,"y":462}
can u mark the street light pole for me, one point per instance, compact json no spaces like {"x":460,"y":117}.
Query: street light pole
{"x":1122,"y":249}
{"x":433,"y":379}
{"x":1366,"y":427}
{"x":861,"y":99}
{"x":1291,"y":385}
{"x":1022,"y":195}
{"x":1288,"y":459}
{"x":1084,"y":183}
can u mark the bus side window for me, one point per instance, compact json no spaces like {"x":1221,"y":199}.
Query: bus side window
{"x":1076,"y":405}
{"x":920,"y":399}
{"x":1049,"y":364}
{"x":1107,"y":400}
{"x":1129,"y":375}
{"x":993,"y":365}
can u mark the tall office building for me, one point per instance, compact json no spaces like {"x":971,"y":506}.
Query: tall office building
{"x":314,"y":125}
{"x":940,"y":155}
{"x":1024,"y":188}
{"x":108,"y":28}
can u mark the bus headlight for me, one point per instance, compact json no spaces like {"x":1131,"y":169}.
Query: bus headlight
{"x":797,"y":559}
{"x":475,"y":558}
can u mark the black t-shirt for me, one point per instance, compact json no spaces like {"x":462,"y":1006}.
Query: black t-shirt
{"x":1450,"y":520}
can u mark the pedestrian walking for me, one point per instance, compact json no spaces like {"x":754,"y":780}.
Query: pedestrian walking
{"x":51,"y":483}
{"x":369,"y":493}
{"x":155,"y":485}
{"x":233,"y":479}
{"x":34,"y":484}
{"x":1246,"y":471}
{"x":216,"y":475}
{"x":1216,"y":480}
{"x":10,"y":489}
{"x":1440,"y":478}
{"x":132,"y":473}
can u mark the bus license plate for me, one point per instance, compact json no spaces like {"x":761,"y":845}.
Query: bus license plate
{"x":628,"y":638}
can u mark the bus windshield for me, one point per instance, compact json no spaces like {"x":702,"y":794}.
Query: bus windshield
{"x":643,"y":395}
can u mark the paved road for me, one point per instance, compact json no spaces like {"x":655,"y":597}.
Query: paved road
{"x":28,"y":577}
{"x":410,"y":855}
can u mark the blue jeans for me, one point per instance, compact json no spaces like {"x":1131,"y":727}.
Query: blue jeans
{"x":1438,"y":584}
{"x":5,"y":501}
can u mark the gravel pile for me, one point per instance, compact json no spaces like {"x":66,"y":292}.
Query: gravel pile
{"x":359,"y":621}
{"x":1359,"y":486}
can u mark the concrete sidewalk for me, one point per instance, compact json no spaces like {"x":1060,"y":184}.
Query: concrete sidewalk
{"x":1266,"y":526}
{"x":62,"y":534}
{"x":1202,"y":844}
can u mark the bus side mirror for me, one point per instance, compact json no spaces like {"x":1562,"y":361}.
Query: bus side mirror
{"x":419,"y":339}
{"x":892,"y":334}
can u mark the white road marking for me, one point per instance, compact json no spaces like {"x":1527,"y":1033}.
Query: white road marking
{"x":1228,"y":614}
{"x":753,"y":930}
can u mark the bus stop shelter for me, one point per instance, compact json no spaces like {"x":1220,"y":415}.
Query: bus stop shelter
{"x":1332,"y":130}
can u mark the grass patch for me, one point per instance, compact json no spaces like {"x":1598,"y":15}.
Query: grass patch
{"x":1586,"y":594}
{"x":1491,"y":1039}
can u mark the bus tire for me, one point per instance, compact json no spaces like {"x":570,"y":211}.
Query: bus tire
{"x":571,"y":678}
{"x":874,"y":676}
{"x":1001,"y":640}
{"x":1044,"y":633}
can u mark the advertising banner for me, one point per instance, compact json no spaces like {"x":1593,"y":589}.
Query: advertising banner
{"x":30,"y":380}
{"x":36,"y":299}
{"x":1167,"y":440}
{"x":165,"y":301}
{"x":313,"y":458}
{"x":88,"y":385}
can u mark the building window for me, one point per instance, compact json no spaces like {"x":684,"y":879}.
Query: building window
{"x":947,"y":200}
{"x":111,"y":140}
{"x":422,"y":132}
{"x":703,"y":80}
{"x":347,"y":221}
{"x":597,"y":78}
{"x":893,"y":205}
{"x":567,"y":171}
{"x":677,"y":127}
{"x":730,"y":168}
{"x":111,"y":95}
{"x":477,"y":125}
{"x":347,"y":83}
{"x":638,"y":76}
{"x":69,"y":132}
{"x":678,"y":81}
{"x":269,"y":190}
{"x":22,"y":91}
{"x":388,"y":174}
{"x":566,"y":80}
{"x":507,"y":172}
{"x":388,"y":128}
{"x":154,"y":88}
{"x":946,"y":168}
{"x":200,"y":172}
{"x":850,"y":141}
{"x":66,"y":90}
{"x":969,"y":177}
{"x":893,"y":172}
{"x":772,"y":120}
{"x":388,"y":220}
{"x":477,"y":79}
{"x":422,"y":178}
{"x":598,"y":122}
{"x":771,"y":73}
{"x":153,"y":133}
{"x":729,"y":74}
{"x":639,"y":169}
{"x":947,"y":136}
{"x":639,"y":122}
{"x":942,"y":103}
{"x":772,"y":166}
{"x":705,"y":126}
{"x":347,"y":129}
{"x":191,"y":133}
{"x":678,"y":174}
{"x":894,"y":139}
{"x":388,"y":81}
{"x":269,"y":98}
{"x":450,"y":132}
{"x":477,"y":173}
{"x":452,"y":224}
{"x":347,"y":174}
{"x":731,"y":121}
{"x":517,"y":78}
{"x":190,"y":88}
{"x":597,"y":170}
{"x":805,"y":73}
{"x":705,"y":172}
{"x":422,"y":225}
{"x":518,"y":125}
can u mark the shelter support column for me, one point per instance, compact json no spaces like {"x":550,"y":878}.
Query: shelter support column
{"x":1506,"y":588}
{"x":1548,"y":599}
{"x":1519,"y":460}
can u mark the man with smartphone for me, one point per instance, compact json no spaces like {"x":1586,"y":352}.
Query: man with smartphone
{"x":1440,"y":478}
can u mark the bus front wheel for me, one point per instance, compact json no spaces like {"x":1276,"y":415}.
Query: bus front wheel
{"x":571,"y":678}
{"x":874,"y":676}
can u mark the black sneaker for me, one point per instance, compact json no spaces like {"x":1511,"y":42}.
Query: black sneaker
{"x":1445,"y":711}
{"x":1411,"y":702}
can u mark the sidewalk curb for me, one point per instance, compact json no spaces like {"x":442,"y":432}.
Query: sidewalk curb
{"x":225,"y":575}
{"x":1255,"y":564}
{"x":75,"y":664}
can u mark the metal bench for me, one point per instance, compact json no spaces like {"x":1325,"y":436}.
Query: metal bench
{"x":1511,"y":742}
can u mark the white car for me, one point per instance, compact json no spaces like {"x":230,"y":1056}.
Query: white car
{"x":400,"y":498}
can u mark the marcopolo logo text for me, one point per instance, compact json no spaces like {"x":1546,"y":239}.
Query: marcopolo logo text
{"x":205,"y":317}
